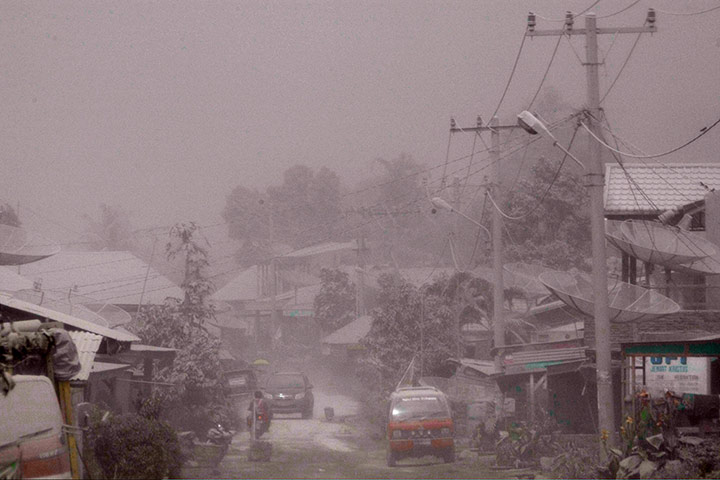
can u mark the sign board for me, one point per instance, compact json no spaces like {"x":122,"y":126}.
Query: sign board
{"x":677,"y":374}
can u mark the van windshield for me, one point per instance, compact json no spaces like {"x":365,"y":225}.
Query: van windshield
{"x":419,"y":408}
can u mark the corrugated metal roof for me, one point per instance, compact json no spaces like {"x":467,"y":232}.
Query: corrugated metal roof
{"x":351,"y":333}
{"x":527,"y":361}
{"x":87,"y":345}
{"x":112,"y":277}
{"x":656,"y":188}
{"x":116,"y":334}
{"x":12,"y":282}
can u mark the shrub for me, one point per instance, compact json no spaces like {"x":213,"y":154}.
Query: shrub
{"x":131,"y":446}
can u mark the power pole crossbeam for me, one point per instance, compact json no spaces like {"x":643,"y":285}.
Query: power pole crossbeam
{"x":598,"y":31}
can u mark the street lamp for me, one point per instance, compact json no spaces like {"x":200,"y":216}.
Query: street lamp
{"x":533,"y":126}
{"x":442,"y":203}
{"x":594,"y":184}
{"x":498,"y":293}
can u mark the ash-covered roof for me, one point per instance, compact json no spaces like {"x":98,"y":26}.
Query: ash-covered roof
{"x":649,"y":189}
{"x":87,"y":345}
{"x":118,"y":278}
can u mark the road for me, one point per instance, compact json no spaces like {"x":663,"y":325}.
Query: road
{"x":341,"y":448}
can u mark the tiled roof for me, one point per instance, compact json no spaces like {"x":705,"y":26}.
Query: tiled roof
{"x":87,"y":345}
{"x":113,"y":277}
{"x":652,"y":188}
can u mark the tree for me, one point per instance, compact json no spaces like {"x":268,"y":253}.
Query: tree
{"x":8,"y":216}
{"x":112,"y":230}
{"x":556,"y":229}
{"x":409,"y":320}
{"x":335,"y":303}
{"x":197,"y":399}
{"x":302,"y":210}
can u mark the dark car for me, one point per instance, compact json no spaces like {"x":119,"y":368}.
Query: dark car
{"x":290,"y":392}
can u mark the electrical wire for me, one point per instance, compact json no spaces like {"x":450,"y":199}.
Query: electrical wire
{"x":627,"y":154}
{"x":559,"y":20}
{"x":620,"y":11}
{"x":545,"y":193}
{"x":237,"y":269}
{"x":567,"y":37}
{"x":512,"y":73}
{"x":687,"y":14}
{"x":547,"y":70}
{"x":637,"y":40}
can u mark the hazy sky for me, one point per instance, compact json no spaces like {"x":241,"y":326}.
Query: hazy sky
{"x":162,"y":108}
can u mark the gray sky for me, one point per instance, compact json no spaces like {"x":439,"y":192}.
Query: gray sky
{"x":162,"y":108}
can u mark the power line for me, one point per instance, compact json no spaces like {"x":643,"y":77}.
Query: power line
{"x":545,"y":193}
{"x":703,"y":131}
{"x":547,"y":70}
{"x":560,"y":20}
{"x":512,"y":73}
{"x":688,"y":13}
{"x":637,"y":40}
{"x":620,"y":11}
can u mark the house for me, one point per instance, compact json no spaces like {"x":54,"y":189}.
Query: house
{"x":635,"y":191}
{"x":275,"y":299}
{"x":344,"y":343}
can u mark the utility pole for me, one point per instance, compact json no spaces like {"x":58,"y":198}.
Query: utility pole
{"x":497,"y":227}
{"x":594,"y":181}
{"x":360,"y":289}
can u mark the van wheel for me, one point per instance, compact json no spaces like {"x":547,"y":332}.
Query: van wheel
{"x":391,"y":458}
{"x":449,"y":457}
{"x":307,"y":413}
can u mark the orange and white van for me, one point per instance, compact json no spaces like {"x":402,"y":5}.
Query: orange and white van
{"x":32,"y":442}
{"x":420,"y":423}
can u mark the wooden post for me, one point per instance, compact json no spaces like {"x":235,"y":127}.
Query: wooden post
{"x":67,"y":409}
{"x":532,"y":397}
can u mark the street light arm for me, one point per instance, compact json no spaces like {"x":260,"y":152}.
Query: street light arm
{"x":567,"y":152}
{"x":442,"y":203}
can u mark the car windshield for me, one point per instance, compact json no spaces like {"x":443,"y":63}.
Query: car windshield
{"x":285,"y":381}
{"x":416,"y":408}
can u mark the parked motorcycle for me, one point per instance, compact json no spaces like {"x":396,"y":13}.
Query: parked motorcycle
{"x":217,"y":435}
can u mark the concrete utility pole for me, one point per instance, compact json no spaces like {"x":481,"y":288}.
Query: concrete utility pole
{"x":594,"y":181}
{"x":497,"y":226}
{"x":360,"y":309}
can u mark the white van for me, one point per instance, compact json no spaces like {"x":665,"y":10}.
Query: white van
{"x":32,"y":443}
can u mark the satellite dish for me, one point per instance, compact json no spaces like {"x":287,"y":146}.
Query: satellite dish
{"x":18,"y":246}
{"x":84,"y":308}
{"x":708,"y":266}
{"x":615,"y":237}
{"x":524,"y":277}
{"x":626,"y":302}
{"x":664,"y":245}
